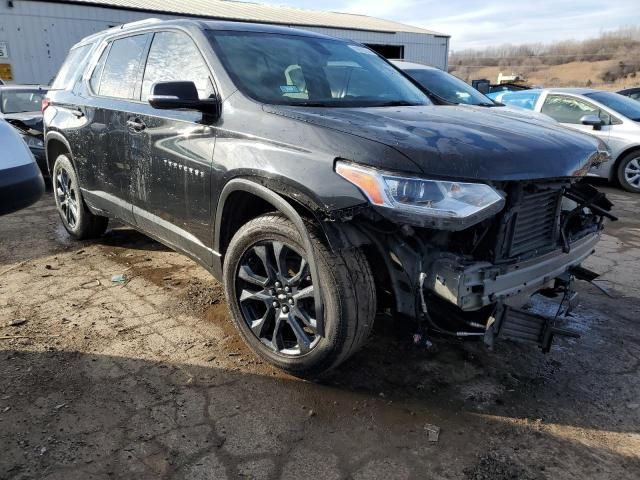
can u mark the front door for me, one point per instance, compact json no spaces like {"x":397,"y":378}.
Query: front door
{"x":568,"y":110}
{"x":171,"y":151}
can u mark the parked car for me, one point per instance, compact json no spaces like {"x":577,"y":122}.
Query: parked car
{"x":446,"y":89}
{"x":21,"y":182}
{"x":318,"y":183}
{"x":632,"y":93}
{"x":20,"y":106}
{"x":611,"y":117}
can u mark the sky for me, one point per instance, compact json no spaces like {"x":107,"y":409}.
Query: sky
{"x":478,"y":24}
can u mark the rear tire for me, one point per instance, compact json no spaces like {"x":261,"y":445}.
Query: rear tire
{"x":274,"y":312}
{"x":76,"y":217}
{"x":629,"y":172}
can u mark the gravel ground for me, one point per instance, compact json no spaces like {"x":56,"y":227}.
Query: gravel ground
{"x":147,"y":378}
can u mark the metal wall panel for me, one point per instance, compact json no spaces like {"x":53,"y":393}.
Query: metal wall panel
{"x":39,"y":35}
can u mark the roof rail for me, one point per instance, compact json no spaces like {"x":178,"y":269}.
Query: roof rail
{"x":139,"y":23}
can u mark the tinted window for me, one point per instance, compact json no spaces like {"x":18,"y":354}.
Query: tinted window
{"x":18,"y":101}
{"x":173,"y":57}
{"x":310,"y":71}
{"x":624,"y":105}
{"x":72,"y":67}
{"x":566,"y":109}
{"x":122,"y":67}
{"x":448,"y":87}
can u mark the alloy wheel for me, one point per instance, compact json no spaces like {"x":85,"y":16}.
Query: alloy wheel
{"x":632,"y":172}
{"x":66,"y":197}
{"x":275,"y":293}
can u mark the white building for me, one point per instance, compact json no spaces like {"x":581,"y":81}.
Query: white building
{"x":35,"y":35}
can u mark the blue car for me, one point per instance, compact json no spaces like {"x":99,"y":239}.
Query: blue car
{"x":517,"y":98}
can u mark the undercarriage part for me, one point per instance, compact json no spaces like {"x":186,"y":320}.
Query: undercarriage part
{"x":582,"y":273}
{"x":520,"y":325}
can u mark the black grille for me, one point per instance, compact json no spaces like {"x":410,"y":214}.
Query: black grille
{"x":535,"y":221}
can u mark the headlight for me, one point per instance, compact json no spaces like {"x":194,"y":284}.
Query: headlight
{"x":32,"y":141}
{"x":426,"y":203}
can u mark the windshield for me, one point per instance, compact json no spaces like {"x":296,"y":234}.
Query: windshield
{"x":18,"y":101}
{"x":448,"y":87}
{"x":308,"y":71}
{"x":621,"y":104}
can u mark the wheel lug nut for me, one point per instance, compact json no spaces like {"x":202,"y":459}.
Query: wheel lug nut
{"x":291,"y":301}
{"x":275,"y":304}
{"x":287,"y":289}
{"x":272,"y":292}
{"x":278,"y":284}
{"x":285,"y":309}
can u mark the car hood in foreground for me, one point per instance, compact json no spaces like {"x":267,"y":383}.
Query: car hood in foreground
{"x":516,"y":113}
{"x":462,"y":143}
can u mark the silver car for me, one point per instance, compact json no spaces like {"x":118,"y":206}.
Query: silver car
{"x":446,"y":89}
{"x":609,"y":116}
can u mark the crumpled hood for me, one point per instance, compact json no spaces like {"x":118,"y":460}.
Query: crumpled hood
{"x":29,"y":122}
{"x":461,"y":143}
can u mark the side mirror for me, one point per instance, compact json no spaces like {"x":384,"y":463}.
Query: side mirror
{"x":592,"y":120}
{"x":183,"y":96}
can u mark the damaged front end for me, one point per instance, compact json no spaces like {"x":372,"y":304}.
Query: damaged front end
{"x":473,"y":281}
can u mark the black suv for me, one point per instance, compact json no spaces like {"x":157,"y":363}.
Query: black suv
{"x":318,"y":183}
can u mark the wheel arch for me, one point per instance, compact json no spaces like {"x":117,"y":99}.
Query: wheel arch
{"x":613,"y":174}
{"x":57,"y":145}
{"x":254,"y":199}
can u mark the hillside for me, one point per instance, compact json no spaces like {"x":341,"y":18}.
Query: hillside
{"x":610,"y":61}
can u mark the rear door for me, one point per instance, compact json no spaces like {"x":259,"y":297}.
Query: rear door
{"x":171,"y":151}
{"x":114,"y":85}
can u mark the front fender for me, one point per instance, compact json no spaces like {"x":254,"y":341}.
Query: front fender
{"x":280,"y":204}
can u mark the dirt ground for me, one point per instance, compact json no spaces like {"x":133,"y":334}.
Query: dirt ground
{"x":148,"y":379}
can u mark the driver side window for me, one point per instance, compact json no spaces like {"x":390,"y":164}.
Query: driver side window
{"x":567,"y":109}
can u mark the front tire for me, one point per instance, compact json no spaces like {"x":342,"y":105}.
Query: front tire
{"x":270,"y":294}
{"x":629,"y":172}
{"x":76,"y":217}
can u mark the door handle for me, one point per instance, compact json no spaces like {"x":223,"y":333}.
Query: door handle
{"x":77,"y":113}
{"x":136,"y":125}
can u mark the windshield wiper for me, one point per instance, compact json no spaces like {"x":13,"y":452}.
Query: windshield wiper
{"x":395,"y":103}
{"x":311,"y":104}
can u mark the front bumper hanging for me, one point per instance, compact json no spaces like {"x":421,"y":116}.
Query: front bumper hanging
{"x":476,"y":285}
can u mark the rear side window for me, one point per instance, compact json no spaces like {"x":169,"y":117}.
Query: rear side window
{"x":97,"y":71}
{"x":120,"y":72}
{"x":72,"y":68}
{"x":174,"y":57}
{"x":520,"y":99}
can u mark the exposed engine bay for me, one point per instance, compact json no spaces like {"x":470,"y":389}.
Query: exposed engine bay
{"x":473,"y":282}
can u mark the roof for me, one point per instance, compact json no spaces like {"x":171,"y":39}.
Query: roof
{"x":575,"y":91}
{"x":402,"y":65}
{"x":205,"y":24}
{"x":256,"y":12}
